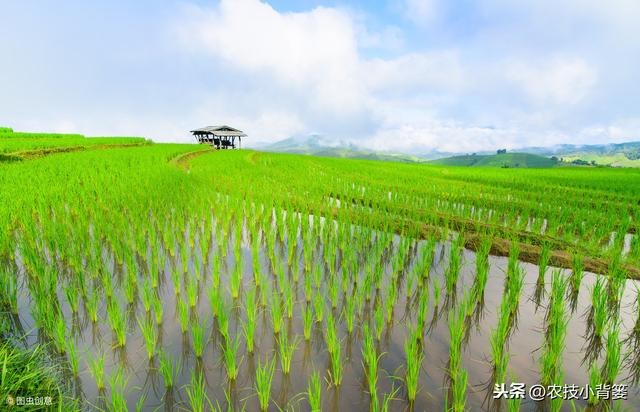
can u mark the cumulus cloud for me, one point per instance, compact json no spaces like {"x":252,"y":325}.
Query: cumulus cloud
{"x":559,"y":81}
{"x":410,"y":75}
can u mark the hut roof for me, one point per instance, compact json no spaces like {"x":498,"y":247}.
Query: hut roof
{"x":219,"y":131}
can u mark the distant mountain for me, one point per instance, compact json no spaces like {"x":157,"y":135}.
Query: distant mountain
{"x":615,"y":154}
{"x":317,"y":145}
{"x":511,"y":160}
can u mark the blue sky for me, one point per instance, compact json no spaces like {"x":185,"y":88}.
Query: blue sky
{"x":408,"y":75}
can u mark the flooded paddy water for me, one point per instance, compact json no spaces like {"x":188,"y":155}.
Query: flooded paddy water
{"x":144,"y":380}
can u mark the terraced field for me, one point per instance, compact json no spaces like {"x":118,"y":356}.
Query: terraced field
{"x":172,"y":276}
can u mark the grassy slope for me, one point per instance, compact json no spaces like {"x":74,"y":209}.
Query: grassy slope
{"x":515,"y":160}
{"x":615,"y":160}
{"x":17,"y":142}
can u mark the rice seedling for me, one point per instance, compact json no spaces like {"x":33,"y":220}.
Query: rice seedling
{"x":158,"y":309}
{"x":498,"y":341}
{"x":378,"y":317}
{"x":96,"y":368}
{"x":198,"y":340}
{"x":307,"y":318}
{"x":117,"y":400}
{"x":277,"y":319}
{"x":146,"y":295}
{"x":91,"y":305}
{"x":455,"y":261}
{"x":288,"y":299}
{"x":286,"y":350}
{"x":595,"y":381}
{"x":248,"y":330}
{"x":229,"y":354}
{"x":551,"y":359}
{"x":183,"y":315}
{"x":335,"y":374}
{"x":264,"y":378}
{"x":150,"y":336}
{"x":235,"y":280}
{"x":176,"y":278}
{"x":613,"y":360}
{"x":72,"y":353}
{"x":308,"y":288}
{"x":318,"y":306}
{"x":371,"y":360}
{"x":349,"y":312}
{"x":118,"y":321}
{"x":459,"y":392}
{"x":482,"y":267}
{"x":8,"y":290}
{"x":197,"y":394}
{"x":577,"y":273}
{"x":313,"y":392}
{"x":223,"y":316}
{"x":414,"y":357}
{"x":168,"y":369}
{"x":598,"y":319}
{"x":192,"y":292}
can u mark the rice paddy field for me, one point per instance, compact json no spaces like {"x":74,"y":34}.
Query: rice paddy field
{"x":174,"y":277}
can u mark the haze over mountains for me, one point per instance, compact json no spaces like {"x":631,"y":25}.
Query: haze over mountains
{"x":614,"y":154}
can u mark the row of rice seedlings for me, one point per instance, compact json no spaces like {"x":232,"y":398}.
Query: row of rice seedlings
{"x":264,"y":378}
{"x":457,"y":373}
{"x":498,"y":340}
{"x":414,"y":358}
{"x":370,"y":363}
{"x":557,"y":320}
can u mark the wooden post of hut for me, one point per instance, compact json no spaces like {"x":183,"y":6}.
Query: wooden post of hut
{"x":220,"y":137}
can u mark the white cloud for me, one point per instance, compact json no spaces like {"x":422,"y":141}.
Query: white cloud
{"x":421,"y":11}
{"x":559,"y":81}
